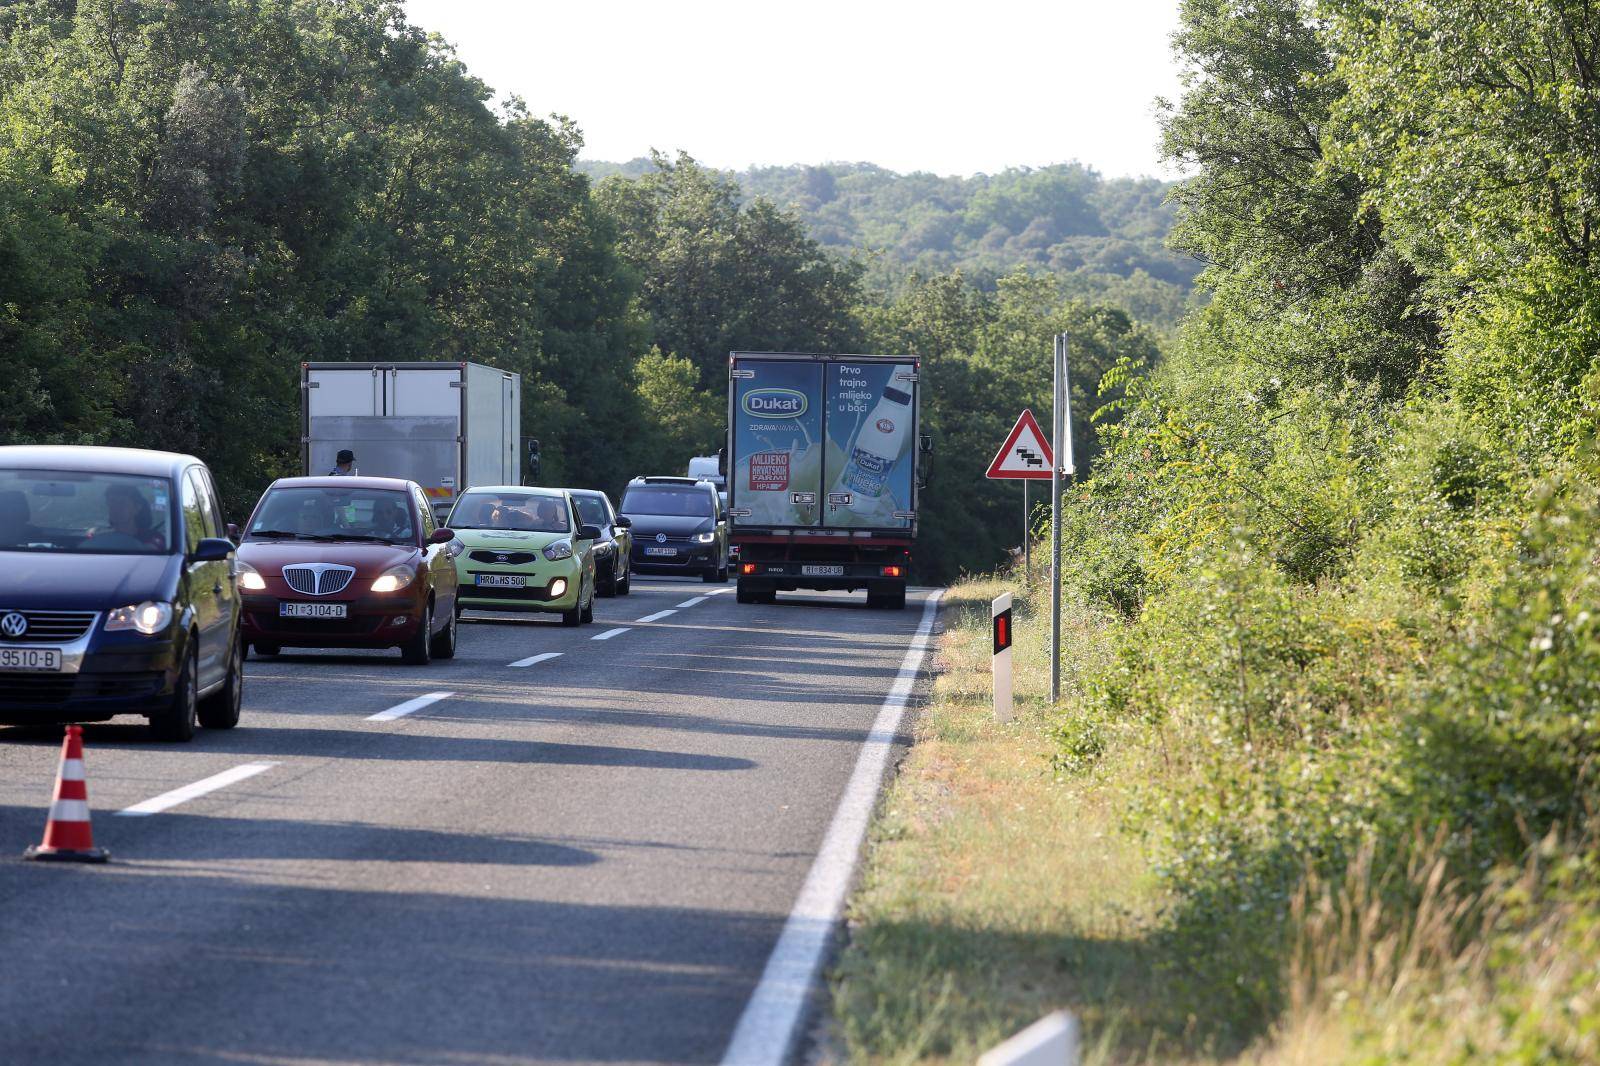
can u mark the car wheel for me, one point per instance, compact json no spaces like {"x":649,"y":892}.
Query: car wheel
{"x":220,"y":710}
{"x":608,"y":587}
{"x":627,"y":581}
{"x":418,"y":651}
{"x":266,"y":649}
{"x":722,"y":574}
{"x":443,"y":646}
{"x":744,"y":592}
{"x":709,"y":575}
{"x":572,"y":617}
{"x":588,"y":610}
{"x":177,"y":722}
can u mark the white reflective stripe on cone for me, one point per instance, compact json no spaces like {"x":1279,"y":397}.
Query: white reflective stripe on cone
{"x":71,"y":770}
{"x":69,"y":811}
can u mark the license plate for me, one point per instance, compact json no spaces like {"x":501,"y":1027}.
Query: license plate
{"x":822,"y":571}
{"x":312,"y":610}
{"x":501,"y":581}
{"x":655,"y":550}
{"x":40,"y":659}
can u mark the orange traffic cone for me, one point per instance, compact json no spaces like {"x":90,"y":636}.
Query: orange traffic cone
{"x":67,"y":837}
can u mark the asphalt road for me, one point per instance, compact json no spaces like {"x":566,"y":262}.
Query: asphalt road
{"x":587,"y":858}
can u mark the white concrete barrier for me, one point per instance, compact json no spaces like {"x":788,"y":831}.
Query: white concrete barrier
{"x":1050,"y":1041}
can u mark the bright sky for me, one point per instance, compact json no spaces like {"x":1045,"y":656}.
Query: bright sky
{"x":953,"y":88}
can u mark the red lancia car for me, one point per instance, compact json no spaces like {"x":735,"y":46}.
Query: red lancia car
{"x":348,"y":562}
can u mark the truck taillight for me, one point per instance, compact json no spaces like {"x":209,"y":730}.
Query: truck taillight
{"x":892,"y":571}
{"x":747,"y":568}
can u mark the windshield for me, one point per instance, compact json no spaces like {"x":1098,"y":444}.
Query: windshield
{"x":82,"y":511}
{"x":592,"y":509}
{"x":525,"y":511}
{"x":335,"y":514}
{"x":668,"y":501}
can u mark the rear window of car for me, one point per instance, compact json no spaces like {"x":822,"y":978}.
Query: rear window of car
{"x":85,"y":512}
{"x":593,"y":510}
{"x":524,"y":511}
{"x":335,"y":513}
{"x":668,"y":501}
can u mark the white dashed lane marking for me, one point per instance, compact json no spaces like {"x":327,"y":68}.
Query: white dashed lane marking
{"x":400,"y":710}
{"x":168,"y":800}
{"x":658,"y":616}
{"x":542,"y":657}
{"x":608,"y":634}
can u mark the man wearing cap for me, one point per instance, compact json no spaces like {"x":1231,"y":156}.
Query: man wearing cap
{"x":344,"y":463}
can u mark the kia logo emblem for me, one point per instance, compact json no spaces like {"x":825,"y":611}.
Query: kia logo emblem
{"x":661,"y":538}
{"x":13,"y":625}
{"x":502,"y":558}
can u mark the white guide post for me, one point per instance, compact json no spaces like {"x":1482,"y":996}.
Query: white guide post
{"x":1000,"y":613}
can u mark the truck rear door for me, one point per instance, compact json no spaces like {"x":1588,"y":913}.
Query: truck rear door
{"x":775,"y":479}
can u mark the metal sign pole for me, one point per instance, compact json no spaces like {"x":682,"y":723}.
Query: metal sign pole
{"x":1027,"y":538}
{"x":1061,"y":447}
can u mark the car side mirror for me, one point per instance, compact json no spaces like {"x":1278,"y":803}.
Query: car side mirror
{"x":442,"y":536}
{"x":212,"y":550}
{"x":624,"y":522}
{"x":589,"y":533}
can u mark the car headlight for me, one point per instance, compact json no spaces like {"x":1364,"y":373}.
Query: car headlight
{"x":394,"y":579}
{"x":149,"y":617}
{"x":561,"y":549}
{"x":705,"y":538}
{"x":250,"y":578}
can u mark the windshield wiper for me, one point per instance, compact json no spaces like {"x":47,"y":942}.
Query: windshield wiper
{"x":273,"y":533}
{"x":372,"y":537}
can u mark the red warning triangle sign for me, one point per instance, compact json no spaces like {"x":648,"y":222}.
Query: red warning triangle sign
{"x":1025,"y":454}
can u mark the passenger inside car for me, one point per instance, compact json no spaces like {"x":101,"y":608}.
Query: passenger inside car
{"x":129,"y":523}
{"x":389,"y":520}
{"x":15,"y":527}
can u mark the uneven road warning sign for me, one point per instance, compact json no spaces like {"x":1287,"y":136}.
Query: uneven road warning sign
{"x":1025,"y":454}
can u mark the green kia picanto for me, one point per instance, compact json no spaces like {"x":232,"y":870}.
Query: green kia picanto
{"x":526,"y":550}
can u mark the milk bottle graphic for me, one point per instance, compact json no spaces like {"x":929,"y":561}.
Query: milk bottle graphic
{"x":877,"y":449}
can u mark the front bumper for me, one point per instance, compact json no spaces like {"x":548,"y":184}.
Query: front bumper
{"x":687,"y":559}
{"x":370,"y":622}
{"x":114,"y":677}
{"x":537,"y":595}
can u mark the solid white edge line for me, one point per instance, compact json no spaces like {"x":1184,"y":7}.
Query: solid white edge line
{"x":694,"y":602}
{"x":769,"y":1025}
{"x":658,"y":616}
{"x":400,"y":710}
{"x":608,"y":634}
{"x":168,"y":800}
{"x":541,"y":657}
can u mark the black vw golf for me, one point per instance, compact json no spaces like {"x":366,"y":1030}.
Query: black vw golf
{"x":117,"y":591}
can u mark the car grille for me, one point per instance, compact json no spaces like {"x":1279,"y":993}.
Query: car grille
{"x":50,"y":627}
{"x":319,"y":579}
{"x":494,"y":558}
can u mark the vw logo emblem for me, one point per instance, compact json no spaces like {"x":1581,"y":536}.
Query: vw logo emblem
{"x":13,"y":625}
{"x":661,"y":538}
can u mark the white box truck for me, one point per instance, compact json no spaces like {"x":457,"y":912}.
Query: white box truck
{"x":447,"y":425}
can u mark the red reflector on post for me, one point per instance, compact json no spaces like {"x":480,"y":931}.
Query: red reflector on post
{"x":891,"y":571}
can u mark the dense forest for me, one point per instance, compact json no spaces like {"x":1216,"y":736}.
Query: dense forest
{"x":196,"y":196}
{"x":1338,"y":558}
{"x":1104,"y":239}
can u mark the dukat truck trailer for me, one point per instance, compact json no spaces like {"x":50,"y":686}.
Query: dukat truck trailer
{"x":825,"y":463}
{"x":445,"y":425}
